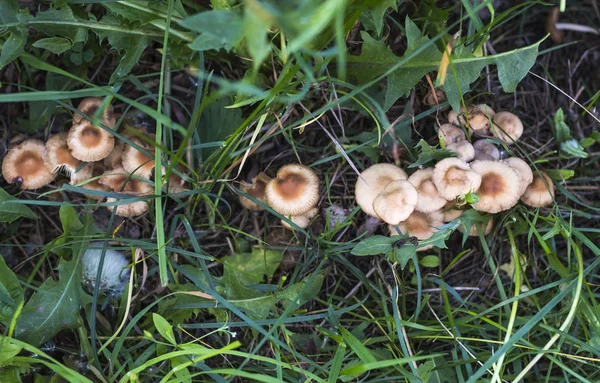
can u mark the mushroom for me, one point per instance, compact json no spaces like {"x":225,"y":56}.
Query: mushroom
{"x":450,"y":134}
{"x":454,"y":177}
{"x":500,"y":186}
{"x":439,"y":98}
{"x":120,"y":181}
{"x":372,"y":181}
{"x":302,"y":221}
{"x":256,"y":189}
{"x":475,"y":118}
{"x":396,"y":202}
{"x":540,"y":192}
{"x":485,"y":150}
{"x":522,"y":169}
{"x":89,"y":106}
{"x":135,"y":160}
{"x":114,"y":158}
{"x":86,"y":141}
{"x":473,"y":230}
{"x":507,"y":127}
{"x":463,"y":149}
{"x":451,"y":211}
{"x":58,"y":157}
{"x":429,"y":197}
{"x":420,"y":225}
{"x":24,"y":164}
{"x":97,"y":170}
{"x":294,"y":191}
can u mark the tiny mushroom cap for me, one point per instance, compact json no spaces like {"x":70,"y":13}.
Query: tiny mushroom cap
{"x":89,"y":106}
{"x":485,"y":109}
{"x":485,"y":150}
{"x":302,"y":221}
{"x":507,"y":127}
{"x":475,"y":118}
{"x":450,"y":134}
{"x":24,"y":164}
{"x":134,"y":160}
{"x":500,"y":186}
{"x":454,"y":177}
{"x":372,"y":181}
{"x":89,"y":143}
{"x":396,"y":202}
{"x":430,"y":99}
{"x":294,"y":191}
{"x":451,"y":211}
{"x":522,"y":169}
{"x":429,"y":197}
{"x":540,"y":192}
{"x":58,"y":156}
{"x":119,"y":181}
{"x":420,"y":225}
{"x":256,"y":189}
{"x":463,"y":149}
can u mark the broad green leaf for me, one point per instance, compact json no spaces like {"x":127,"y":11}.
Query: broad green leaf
{"x":61,"y":22}
{"x":251,"y":268}
{"x":15,"y":35}
{"x":144,"y":11}
{"x":255,"y":303}
{"x":11,"y":210}
{"x":7,"y":351}
{"x":255,"y":31}
{"x":377,"y":244}
{"x":430,"y":261}
{"x":560,"y":174}
{"x":568,"y":145}
{"x":429,"y":154}
{"x":356,"y":345}
{"x":402,"y":254}
{"x":217,"y":123}
{"x":373,"y":15}
{"x":53,"y":307}
{"x":301,"y":292}
{"x":164,"y":328}
{"x":56,"y":45}
{"x":218,"y":29}
{"x":11,"y":293}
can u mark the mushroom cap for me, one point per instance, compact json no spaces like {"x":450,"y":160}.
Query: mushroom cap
{"x":176,"y":184}
{"x":118,"y":180}
{"x":372,"y":181}
{"x":485,"y":109}
{"x":89,"y":106}
{"x":302,"y":221}
{"x":58,"y":156}
{"x":420,"y":225}
{"x":485,"y":150}
{"x":540,"y":192}
{"x":500,"y":186}
{"x":134,"y":160}
{"x":97,"y":170}
{"x":26,"y":162}
{"x":85,"y":173}
{"x":429,"y":197}
{"x":507,"y":127}
{"x":89,"y":143}
{"x":473,"y":229}
{"x":396,"y":202}
{"x":256,"y":188}
{"x":114,"y":158}
{"x":475,"y":118}
{"x":522,"y":169}
{"x":294,"y":191}
{"x":451,"y":211}
{"x":463,"y":149}
{"x":431,"y":100}
{"x":454,"y":177}
{"x":451,"y":134}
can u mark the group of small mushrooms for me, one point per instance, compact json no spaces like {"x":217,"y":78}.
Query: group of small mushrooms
{"x":418,"y":204}
{"x":92,"y":158}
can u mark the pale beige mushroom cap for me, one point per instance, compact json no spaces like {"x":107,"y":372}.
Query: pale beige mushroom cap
{"x":473,"y":230}
{"x":302,"y":221}
{"x":85,"y":173}
{"x":429,"y":197}
{"x":463,"y":149}
{"x":97,"y":170}
{"x":507,"y":127}
{"x":500,"y":186}
{"x":451,"y":211}
{"x":454,"y":177}
{"x":117,"y":180}
{"x":451,"y":134}
{"x":256,"y":189}
{"x":134,"y":160}
{"x":539,"y":193}
{"x":294,"y":191}
{"x":396,"y":202}
{"x":420,"y":225}
{"x":114,"y":158}
{"x":89,"y":143}
{"x":89,"y":106}
{"x":486,"y":151}
{"x":26,"y":162}
{"x":58,"y":156}
{"x":372,"y":181}
{"x":477,"y":119}
{"x":430,"y":100}
{"x":523,"y":170}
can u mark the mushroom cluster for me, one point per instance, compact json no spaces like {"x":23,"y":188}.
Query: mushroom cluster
{"x":92,"y":158}
{"x":418,"y":204}
{"x":293,"y":193}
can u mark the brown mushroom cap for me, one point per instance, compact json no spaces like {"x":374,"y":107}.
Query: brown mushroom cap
{"x":25,"y":164}
{"x":451,"y":134}
{"x":114,"y":158}
{"x":420,"y":225}
{"x":486,"y":151}
{"x":463,"y":149}
{"x":500,"y":186}
{"x":294,"y":191}
{"x":454,"y":177}
{"x":475,"y":118}
{"x":522,"y":169}
{"x":507,"y":127}
{"x":256,"y":189}
{"x":372,"y":181}
{"x":97,"y":170}
{"x":89,"y":106}
{"x":451,"y":211}
{"x":134,"y":160}
{"x":396,"y":201}
{"x":540,"y":192}
{"x":473,"y":230}
{"x":58,"y":156}
{"x":302,"y":221}
{"x":429,"y":197}
{"x":119,"y":181}
{"x":89,"y":143}
{"x":82,"y":174}
{"x":430,"y":100}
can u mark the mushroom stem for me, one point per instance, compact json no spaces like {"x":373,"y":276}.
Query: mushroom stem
{"x":577,"y":28}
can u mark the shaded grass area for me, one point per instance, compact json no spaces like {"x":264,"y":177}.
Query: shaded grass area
{"x":469,"y":319}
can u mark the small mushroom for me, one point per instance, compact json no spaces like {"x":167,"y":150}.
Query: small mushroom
{"x":479,"y":225}
{"x":522,"y":169}
{"x":450,"y":134}
{"x":86,"y":141}
{"x":120,"y":181}
{"x":89,"y":106}
{"x":420,"y":225}
{"x":58,"y":157}
{"x":475,"y":118}
{"x":294,"y":191}
{"x":115,"y":157}
{"x":135,"y":160}
{"x":500,"y":186}
{"x":429,"y":197}
{"x":396,"y":202}
{"x":486,"y":151}
{"x":451,"y":211}
{"x":97,"y":170}
{"x":25,"y":165}
{"x":507,"y":127}
{"x":372,"y":181}
{"x":302,"y":221}
{"x":256,"y":189}
{"x":463,"y":149}
{"x":454,"y":177}
{"x":430,"y":99}
{"x":540,"y":192}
